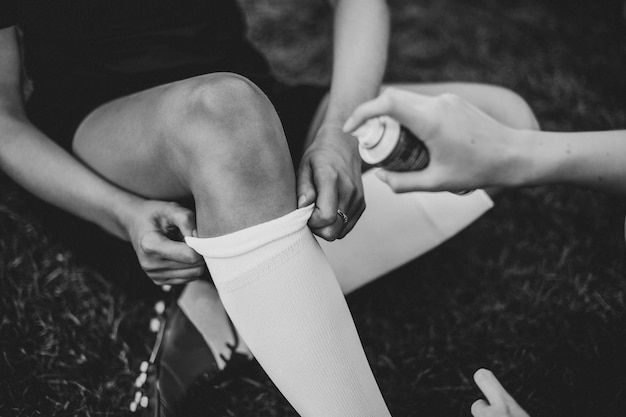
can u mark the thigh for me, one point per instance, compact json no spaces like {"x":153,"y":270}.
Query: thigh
{"x":121,"y":141}
{"x":126,"y":140}
{"x":500,"y":103}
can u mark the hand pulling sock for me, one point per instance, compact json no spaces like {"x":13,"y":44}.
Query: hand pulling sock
{"x":283,"y":297}
{"x":396,"y":228}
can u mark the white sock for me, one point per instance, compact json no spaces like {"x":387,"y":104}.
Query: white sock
{"x":282,"y":295}
{"x":396,"y":228}
{"x":203,"y":307}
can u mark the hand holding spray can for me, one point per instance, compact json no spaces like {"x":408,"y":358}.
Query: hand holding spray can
{"x":384,"y":143}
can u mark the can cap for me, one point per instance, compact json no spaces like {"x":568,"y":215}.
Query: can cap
{"x":370,"y":133}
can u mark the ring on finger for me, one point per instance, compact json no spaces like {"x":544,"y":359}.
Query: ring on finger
{"x":344,"y":216}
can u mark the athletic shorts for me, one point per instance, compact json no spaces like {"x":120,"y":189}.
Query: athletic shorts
{"x":295,"y":105}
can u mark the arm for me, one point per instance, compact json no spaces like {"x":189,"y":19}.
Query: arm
{"x":330,"y":172}
{"x":46,"y":170}
{"x":361,"y":36}
{"x":41,"y":166}
{"x":588,"y":159}
{"x":469,"y":149}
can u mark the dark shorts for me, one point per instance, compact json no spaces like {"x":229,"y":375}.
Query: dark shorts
{"x":296,"y":106}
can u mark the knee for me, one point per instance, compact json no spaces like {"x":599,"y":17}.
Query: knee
{"x":222,"y":126}
{"x":221,"y":112}
{"x":514,"y":111}
{"x":231,"y":153}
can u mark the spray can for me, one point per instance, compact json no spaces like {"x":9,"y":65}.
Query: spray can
{"x":384,"y":143}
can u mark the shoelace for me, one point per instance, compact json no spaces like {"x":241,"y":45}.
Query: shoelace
{"x":157,"y":324}
{"x":233,"y":363}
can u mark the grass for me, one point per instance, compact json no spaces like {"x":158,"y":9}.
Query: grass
{"x":535,"y":290}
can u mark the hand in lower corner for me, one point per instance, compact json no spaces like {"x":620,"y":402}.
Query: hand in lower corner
{"x":499,"y":402}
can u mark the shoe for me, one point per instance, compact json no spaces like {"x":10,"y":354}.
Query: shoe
{"x":179,"y":360}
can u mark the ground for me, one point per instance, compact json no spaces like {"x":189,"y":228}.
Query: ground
{"x":534,"y":290}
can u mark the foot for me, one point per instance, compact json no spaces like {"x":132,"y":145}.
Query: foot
{"x":499,"y":402}
{"x":182,"y":357}
{"x":202,"y":305}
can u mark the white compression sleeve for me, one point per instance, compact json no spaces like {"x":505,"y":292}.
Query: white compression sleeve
{"x":396,"y":228}
{"x":283,"y":297}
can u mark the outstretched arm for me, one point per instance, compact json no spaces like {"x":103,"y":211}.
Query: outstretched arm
{"x":590,"y":159}
{"x":468,"y":149}
{"x":45,"y":169}
{"x":330,"y":172}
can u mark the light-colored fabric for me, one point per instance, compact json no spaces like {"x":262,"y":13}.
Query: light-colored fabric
{"x":285,"y":301}
{"x":396,"y":228}
{"x":253,"y":237}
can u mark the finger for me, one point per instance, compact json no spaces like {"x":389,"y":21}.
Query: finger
{"x":490,"y":386}
{"x":156,"y":263}
{"x":183,"y":219}
{"x":401,"y":182}
{"x":156,"y":244}
{"x":340,"y":227}
{"x":162,"y":282}
{"x":331,"y":232}
{"x":353,"y":220}
{"x":479,"y":408}
{"x":379,"y":106}
{"x":173,"y":276}
{"x":306,"y":187}
{"x":355,"y":206}
{"x":351,"y":203}
{"x":325,"y":212}
{"x":394,"y":102}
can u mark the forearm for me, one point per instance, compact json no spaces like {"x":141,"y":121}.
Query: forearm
{"x":361,"y":35}
{"x":589,"y":159}
{"x":46,"y":170}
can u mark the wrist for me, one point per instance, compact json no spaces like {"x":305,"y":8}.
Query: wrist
{"x":122,"y":213}
{"x":336,"y":125}
{"x":520,"y":162}
{"x":334,"y":134}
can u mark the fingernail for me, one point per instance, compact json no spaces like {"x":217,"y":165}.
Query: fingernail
{"x":301,"y":200}
{"x":348,"y":124}
{"x":381,"y":174}
{"x":482,"y":374}
{"x":194,"y":233}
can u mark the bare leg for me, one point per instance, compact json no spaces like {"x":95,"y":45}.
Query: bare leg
{"x":502,"y":104}
{"x":218,"y":139}
{"x":207,"y":137}
{"x":196,"y":138}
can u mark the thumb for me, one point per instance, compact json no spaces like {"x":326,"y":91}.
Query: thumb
{"x":183,"y":219}
{"x":306,"y":187}
{"x":400,"y":104}
{"x":402,"y":182}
